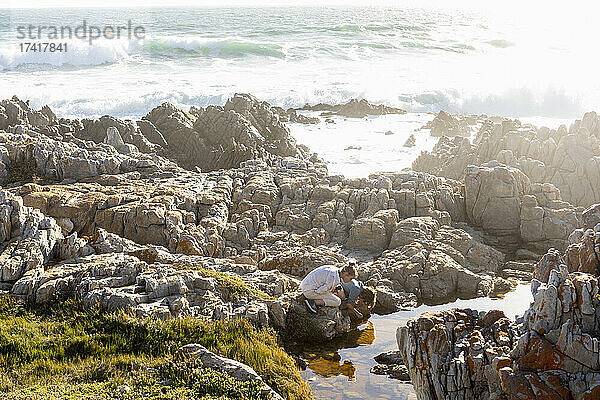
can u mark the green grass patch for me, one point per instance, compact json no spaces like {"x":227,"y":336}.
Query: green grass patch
{"x":234,"y":285}
{"x":22,"y":172}
{"x":168,"y":381}
{"x":68,"y":351}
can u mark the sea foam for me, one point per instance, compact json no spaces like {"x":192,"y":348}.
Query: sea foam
{"x":78,"y":53}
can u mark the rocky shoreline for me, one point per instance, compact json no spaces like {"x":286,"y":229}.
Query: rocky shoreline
{"x":218,"y":213}
{"x":551,"y":352}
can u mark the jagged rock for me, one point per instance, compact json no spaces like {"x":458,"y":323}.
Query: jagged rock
{"x":399,"y":372}
{"x":76,"y":160}
{"x":224,"y":136}
{"x":477,"y":256}
{"x":121,"y":133}
{"x":563,"y":157}
{"x":449,"y":353}
{"x":299,"y":261}
{"x":492,"y":197}
{"x":28,"y":238}
{"x":117,"y":281}
{"x":150,"y":132}
{"x":432,"y":275}
{"x":388,"y":300}
{"x":481,"y":356}
{"x":561,"y":326}
{"x":415,"y":229}
{"x":591,"y":217}
{"x":113,"y":138}
{"x":136,"y":231}
{"x":17,"y":112}
{"x":502,"y":286}
{"x":354,"y":109}
{"x":500,"y":200}
{"x":368,"y":234}
{"x":290,"y":115}
{"x":445,"y":124}
{"x":256,"y":313}
{"x":390,"y":357}
{"x":410,"y":142}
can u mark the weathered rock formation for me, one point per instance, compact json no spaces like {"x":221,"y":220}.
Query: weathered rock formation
{"x":410,"y":142}
{"x":353,"y":109}
{"x":235,"y":369}
{"x":392,"y":365}
{"x":449,"y":353}
{"x":552,"y":353}
{"x":291,"y":115}
{"x":514,"y":213}
{"x":432,"y":264}
{"x":566,"y":158}
{"x":129,"y":229}
{"x":210,"y":139}
{"x":445,"y":124}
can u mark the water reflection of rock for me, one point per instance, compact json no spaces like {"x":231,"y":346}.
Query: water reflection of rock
{"x":324,"y":359}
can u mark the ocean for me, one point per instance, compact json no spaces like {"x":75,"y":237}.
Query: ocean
{"x":419,"y":59}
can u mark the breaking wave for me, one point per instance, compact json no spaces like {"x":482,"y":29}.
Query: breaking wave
{"x":217,"y":48}
{"x":79,"y":53}
{"x":108,"y":51}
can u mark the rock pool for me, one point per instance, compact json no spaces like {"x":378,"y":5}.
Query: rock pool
{"x":340,"y":371}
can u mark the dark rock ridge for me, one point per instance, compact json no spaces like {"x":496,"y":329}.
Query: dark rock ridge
{"x":392,"y":365}
{"x":212,"y":138}
{"x":553,"y":353}
{"x":353,"y":109}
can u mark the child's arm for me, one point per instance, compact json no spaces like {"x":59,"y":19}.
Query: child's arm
{"x":355,"y":311}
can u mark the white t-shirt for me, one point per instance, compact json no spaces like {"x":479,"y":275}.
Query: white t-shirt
{"x":322,"y":280}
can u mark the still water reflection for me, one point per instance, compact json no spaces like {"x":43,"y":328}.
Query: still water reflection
{"x":340,"y":370}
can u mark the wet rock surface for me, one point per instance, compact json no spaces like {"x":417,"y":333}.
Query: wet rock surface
{"x":392,"y":365}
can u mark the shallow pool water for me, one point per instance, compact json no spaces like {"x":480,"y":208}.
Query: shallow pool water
{"x":341,"y":369}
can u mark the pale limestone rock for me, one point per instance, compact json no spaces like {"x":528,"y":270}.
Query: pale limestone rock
{"x":235,"y":369}
{"x":113,"y":138}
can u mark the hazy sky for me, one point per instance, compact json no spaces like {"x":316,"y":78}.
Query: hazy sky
{"x":528,"y":10}
{"x":199,"y":3}
{"x":478,"y":4}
